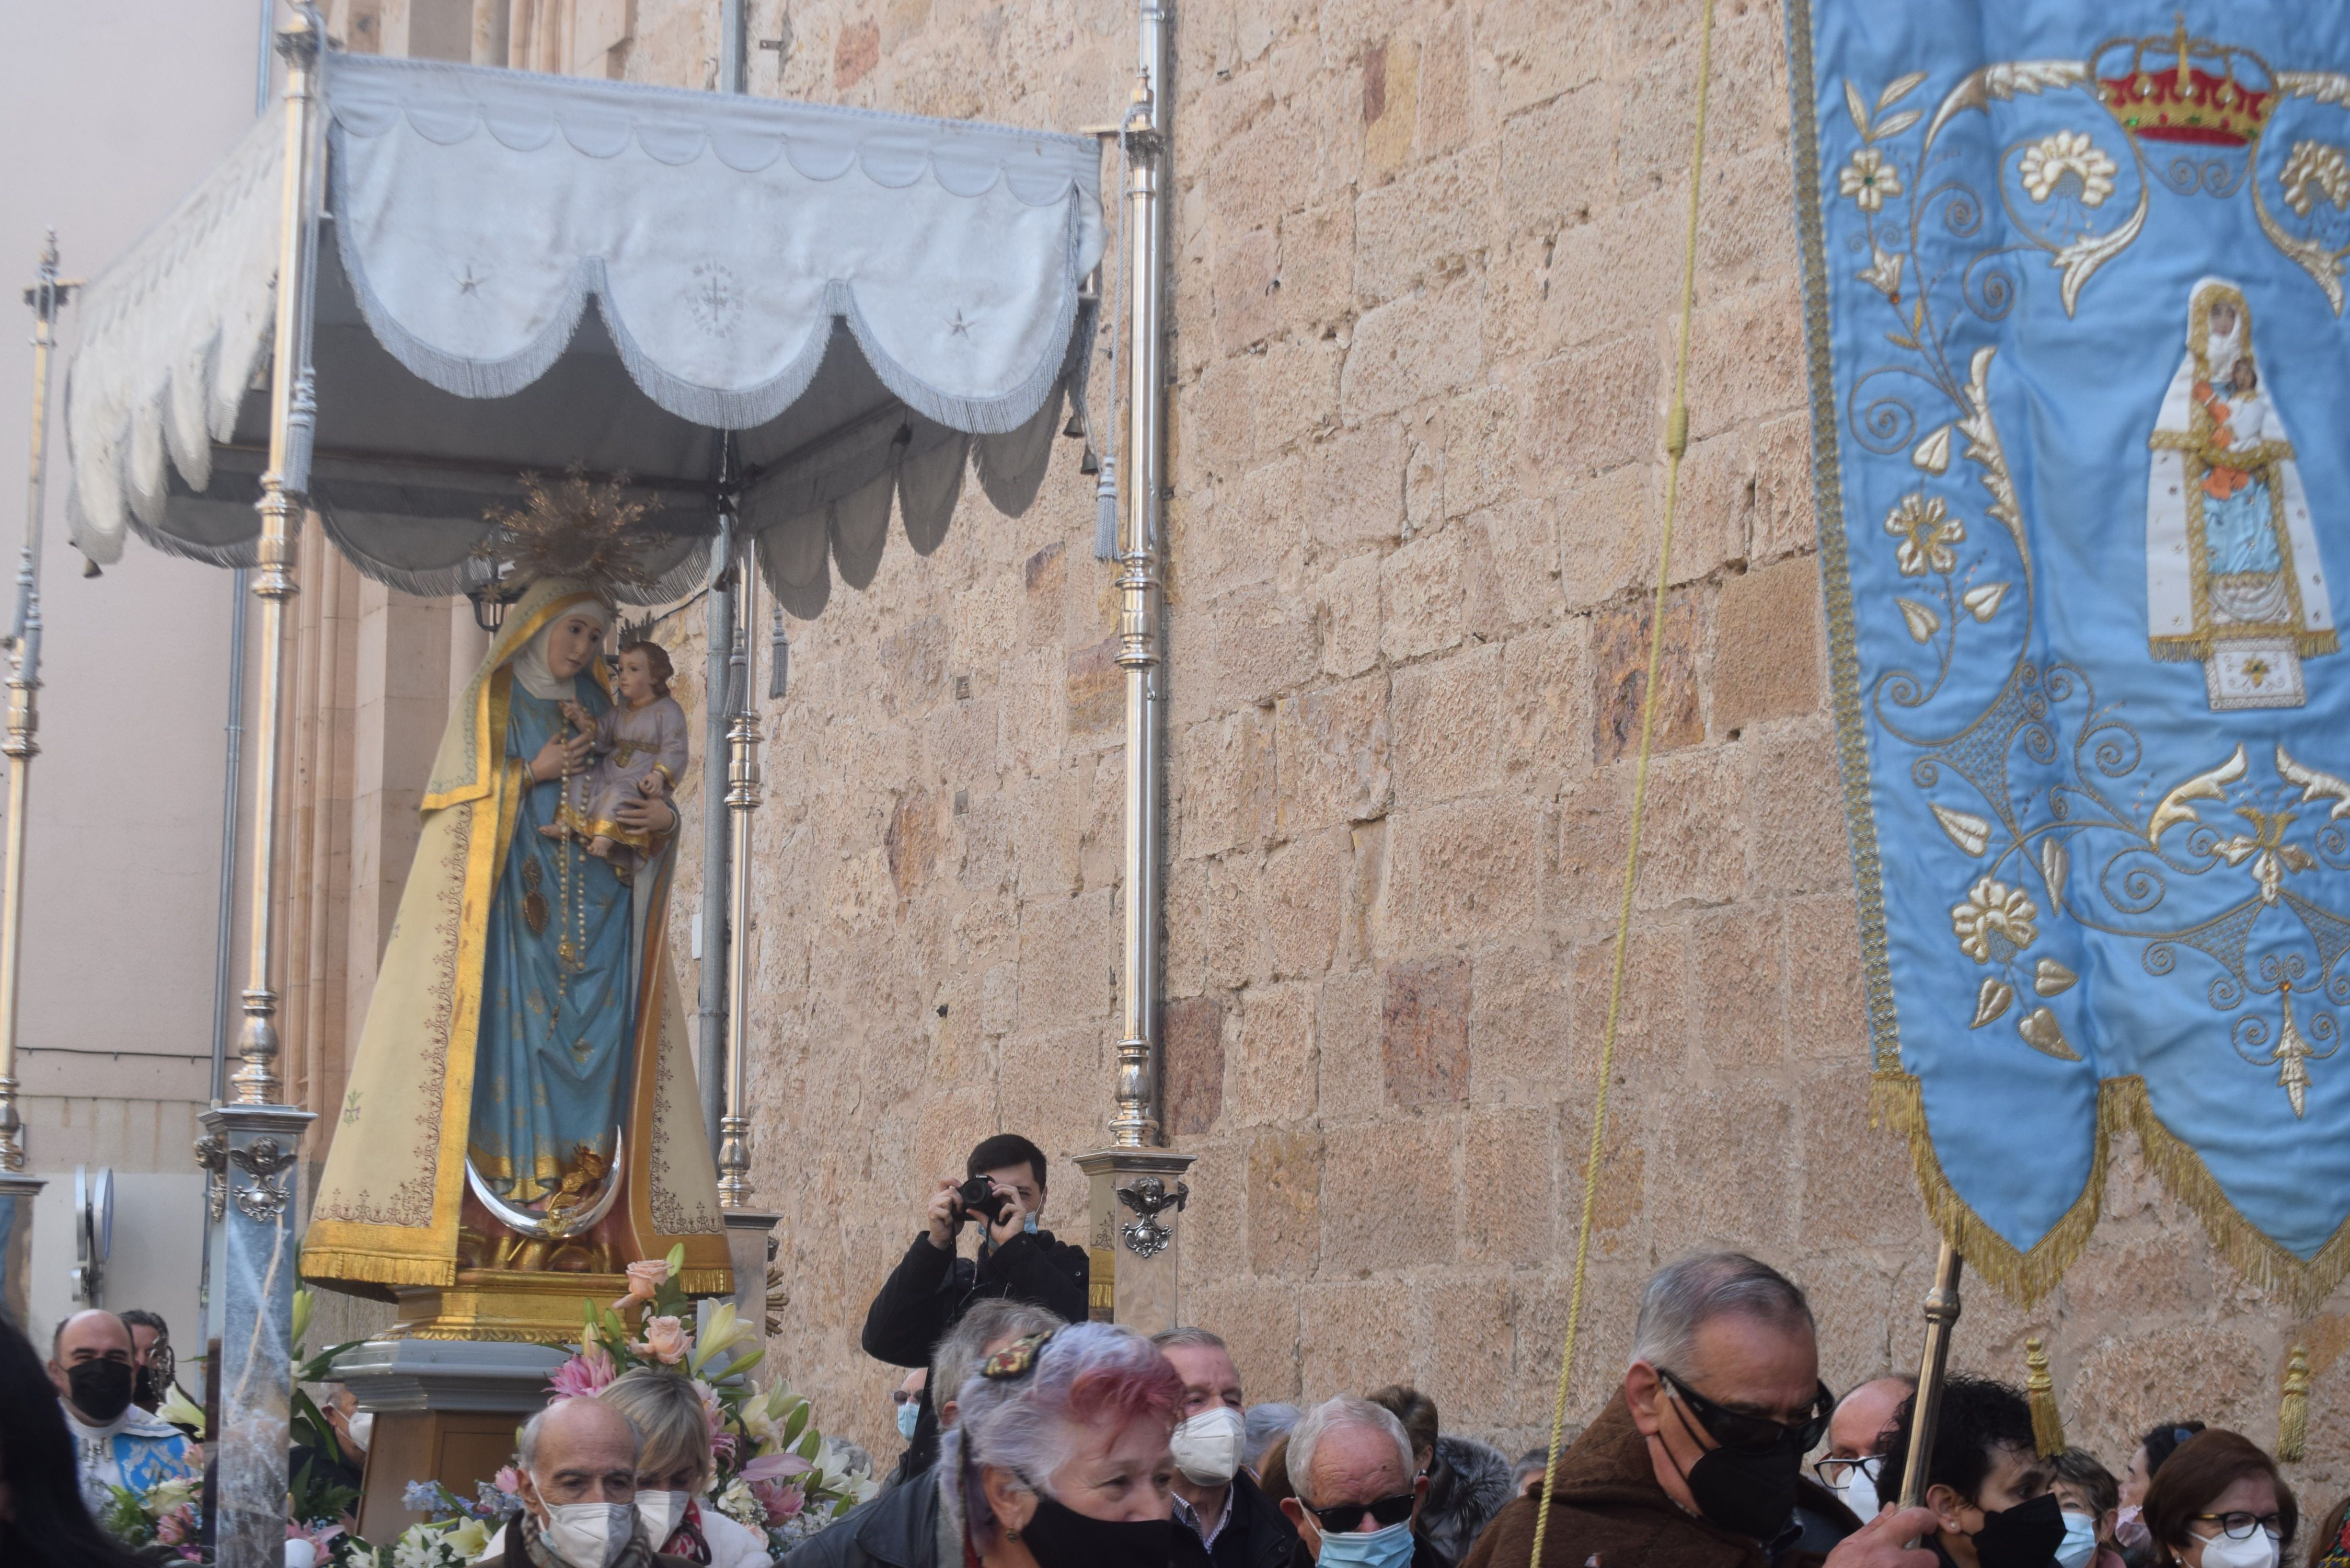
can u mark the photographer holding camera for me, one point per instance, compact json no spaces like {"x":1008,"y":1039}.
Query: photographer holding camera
{"x":933,"y":1286}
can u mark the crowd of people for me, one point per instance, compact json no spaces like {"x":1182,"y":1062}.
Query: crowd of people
{"x":1037,"y":1440}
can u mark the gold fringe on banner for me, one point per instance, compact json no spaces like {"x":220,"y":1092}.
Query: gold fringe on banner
{"x":1895,"y":1100}
{"x":2292,"y":1410}
{"x":2047,"y":1421}
{"x":2179,"y":1168}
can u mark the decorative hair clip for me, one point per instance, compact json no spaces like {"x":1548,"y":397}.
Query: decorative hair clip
{"x":1017,"y":1360}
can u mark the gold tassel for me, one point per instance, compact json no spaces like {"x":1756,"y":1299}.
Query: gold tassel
{"x":2047,"y":1421}
{"x":2292,"y":1410}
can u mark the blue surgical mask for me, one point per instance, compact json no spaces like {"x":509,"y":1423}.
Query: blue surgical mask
{"x":909,"y":1415}
{"x":2080,"y":1542}
{"x":1031,"y":1226}
{"x":1389,"y":1548}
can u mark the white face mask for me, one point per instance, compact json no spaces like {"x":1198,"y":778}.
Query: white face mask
{"x":1858,"y":1491}
{"x":2224,"y":1551}
{"x":589,"y":1534}
{"x":1207,"y":1447}
{"x":662,"y":1512}
{"x":2080,"y":1542}
{"x":363,"y":1427}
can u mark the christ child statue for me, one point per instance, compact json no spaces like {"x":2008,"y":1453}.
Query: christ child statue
{"x":639,"y":749}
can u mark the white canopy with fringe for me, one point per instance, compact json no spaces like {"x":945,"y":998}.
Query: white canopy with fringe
{"x":870,"y":300}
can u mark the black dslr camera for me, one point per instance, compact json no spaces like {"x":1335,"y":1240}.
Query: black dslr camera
{"x":978,"y":1196}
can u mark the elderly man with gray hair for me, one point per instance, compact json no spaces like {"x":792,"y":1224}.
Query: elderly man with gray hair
{"x":578,"y":1494}
{"x":1357,"y":1497}
{"x":1698,"y":1461}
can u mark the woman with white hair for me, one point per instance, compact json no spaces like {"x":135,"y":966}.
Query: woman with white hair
{"x":1060,"y":1455}
{"x":674,"y":1469}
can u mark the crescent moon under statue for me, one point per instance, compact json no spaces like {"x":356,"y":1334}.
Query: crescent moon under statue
{"x":553,"y":1228}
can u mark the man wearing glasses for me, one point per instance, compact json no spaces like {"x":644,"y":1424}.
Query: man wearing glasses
{"x":1698,"y":1461}
{"x":1357,"y":1498}
{"x":1862,"y":1418}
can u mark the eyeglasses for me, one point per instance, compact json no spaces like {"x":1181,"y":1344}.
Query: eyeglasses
{"x":1744,"y":1433}
{"x":900,"y":1397}
{"x":2240,"y":1526}
{"x":1342,"y":1518}
{"x":1831,"y":1471}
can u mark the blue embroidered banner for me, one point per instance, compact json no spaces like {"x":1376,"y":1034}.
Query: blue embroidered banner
{"x":2081,"y":385}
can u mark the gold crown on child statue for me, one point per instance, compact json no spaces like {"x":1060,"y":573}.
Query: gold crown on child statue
{"x":574,"y":528}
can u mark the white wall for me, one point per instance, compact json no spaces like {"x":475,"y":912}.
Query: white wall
{"x":154,"y":1262}
{"x":110,"y":112}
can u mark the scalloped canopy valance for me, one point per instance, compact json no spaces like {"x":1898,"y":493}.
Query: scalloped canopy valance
{"x":871,"y":300}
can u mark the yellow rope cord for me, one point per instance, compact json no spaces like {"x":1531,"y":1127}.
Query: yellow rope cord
{"x":1676,"y":444}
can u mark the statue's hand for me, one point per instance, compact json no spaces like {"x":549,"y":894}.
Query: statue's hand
{"x":560,"y":757}
{"x":641,"y":816}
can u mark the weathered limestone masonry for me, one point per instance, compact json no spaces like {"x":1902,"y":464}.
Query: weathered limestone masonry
{"x":1425,"y":273}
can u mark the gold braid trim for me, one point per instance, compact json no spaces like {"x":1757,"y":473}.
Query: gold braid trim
{"x":1895,"y":1100}
{"x":331,"y":1268}
{"x":1836,"y":576}
{"x":2183,"y":1174}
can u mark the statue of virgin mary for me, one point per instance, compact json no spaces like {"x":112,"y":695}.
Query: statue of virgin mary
{"x":521,"y":1109}
{"x":2232,"y":576}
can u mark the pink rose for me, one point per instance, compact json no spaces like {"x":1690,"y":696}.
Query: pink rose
{"x":646,"y":1277}
{"x":508,"y":1481}
{"x":665,"y":1341}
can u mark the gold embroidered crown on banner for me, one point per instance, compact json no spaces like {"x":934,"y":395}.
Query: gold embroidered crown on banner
{"x":574,"y":528}
{"x":2183,"y":89}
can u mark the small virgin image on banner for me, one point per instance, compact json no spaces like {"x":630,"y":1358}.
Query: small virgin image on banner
{"x":2081,"y":400}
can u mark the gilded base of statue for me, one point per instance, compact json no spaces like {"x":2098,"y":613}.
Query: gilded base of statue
{"x":511,"y":1304}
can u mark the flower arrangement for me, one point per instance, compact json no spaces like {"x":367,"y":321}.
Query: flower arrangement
{"x":165,"y":1517}
{"x":454,"y":1531}
{"x":774,"y":1471}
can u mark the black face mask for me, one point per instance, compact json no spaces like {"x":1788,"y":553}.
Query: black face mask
{"x":1752,"y":1495}
{"x":2025,"y":1536}
{"x":1060,"y":1537}
{"x":101,"y":1390}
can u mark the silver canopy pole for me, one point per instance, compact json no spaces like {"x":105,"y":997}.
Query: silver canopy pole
{"x":1136,"y":1123}
{"x":252,"y":1144}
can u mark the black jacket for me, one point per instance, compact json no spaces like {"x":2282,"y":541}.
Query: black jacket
{"x":928,"y":1291}
{"x":899,"y":1529}
{"x":1256,"y":1535}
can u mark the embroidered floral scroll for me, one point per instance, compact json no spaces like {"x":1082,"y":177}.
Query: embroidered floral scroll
{"x":2081,"y":377}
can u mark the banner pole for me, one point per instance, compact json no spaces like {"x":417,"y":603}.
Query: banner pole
{"x":1942,"y":1307}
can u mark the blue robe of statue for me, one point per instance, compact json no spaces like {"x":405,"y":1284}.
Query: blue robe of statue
{"x":559,"y":1009}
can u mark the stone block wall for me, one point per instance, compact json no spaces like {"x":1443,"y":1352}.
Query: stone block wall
{"x":1426,"y":267}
